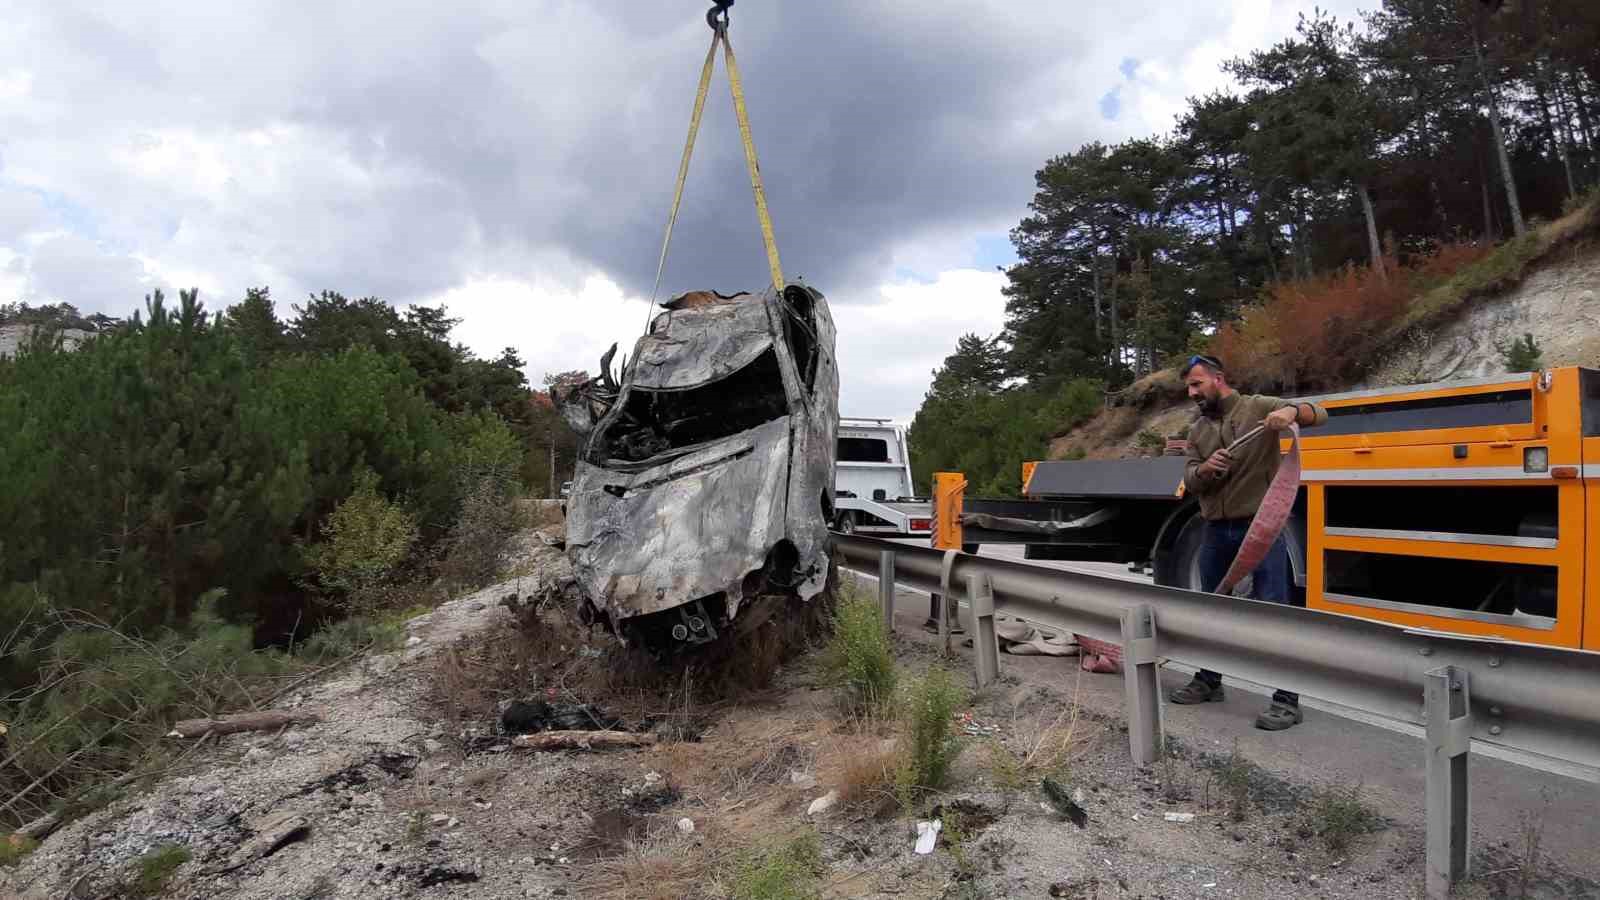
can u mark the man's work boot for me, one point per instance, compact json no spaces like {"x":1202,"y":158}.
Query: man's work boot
{"x":1279,"y":716}
{"x":1197,"y":691}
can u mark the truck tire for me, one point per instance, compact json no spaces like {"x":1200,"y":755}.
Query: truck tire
{"x":1179,"y":566}
{"x":847,"y":522}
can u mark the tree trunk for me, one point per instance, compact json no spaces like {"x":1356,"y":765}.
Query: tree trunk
{"x":1542,"y":96}
{"x":1440,"y":215}
{"x":1561,"y":137}
{"x":1373,"y":244}
{"x":582,"y":740}
{"x":1116,"y":337}
{"x":1582,"y":103}
{"x":256,"y":721}
{"x":1566,"y":137}
{"x":1098,"y":332}
{"x":555,"y":490}
{"x":1493,"y":100}
{"x":1488,"y":210}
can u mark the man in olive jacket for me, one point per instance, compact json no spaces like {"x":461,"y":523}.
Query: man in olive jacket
{"x":1230,"y":487}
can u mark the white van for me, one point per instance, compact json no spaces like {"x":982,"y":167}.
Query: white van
{"x":873,"y":493}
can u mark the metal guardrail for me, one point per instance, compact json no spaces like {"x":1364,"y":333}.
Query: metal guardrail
{"x":1526,"y":697}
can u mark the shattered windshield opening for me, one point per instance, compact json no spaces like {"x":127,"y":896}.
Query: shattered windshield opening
{"x":800,"y":328}
{"x":654,"y":422}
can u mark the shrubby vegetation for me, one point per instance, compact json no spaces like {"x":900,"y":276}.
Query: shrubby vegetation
{"x":975,"y":421}
{"x":190,"y":496}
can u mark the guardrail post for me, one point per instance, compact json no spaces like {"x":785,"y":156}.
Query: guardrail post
{"x":980,"y":594}
{"x":886,"y":588}
{"x":1142,"y":682}
{"x":1449,"y":712}
{"x":944,"y":600}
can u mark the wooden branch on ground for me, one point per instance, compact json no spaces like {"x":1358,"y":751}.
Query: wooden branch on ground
{"x":582,"y":740}
{"x":253,"y":721}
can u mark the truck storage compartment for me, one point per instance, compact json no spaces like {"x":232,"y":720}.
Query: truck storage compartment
{"x":1456,"y":588}
{"x":1504,"y":516}
{"x":1507,"y":407}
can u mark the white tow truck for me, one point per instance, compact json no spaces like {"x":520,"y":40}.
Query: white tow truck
{"x":873,"y":493}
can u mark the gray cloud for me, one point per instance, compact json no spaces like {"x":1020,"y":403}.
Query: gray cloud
{"x":74,"y":270}
{"x":20,"y":213}
{"x":405,"y":150}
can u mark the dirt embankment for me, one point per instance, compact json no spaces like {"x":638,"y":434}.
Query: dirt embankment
{"x":1136,"y":421}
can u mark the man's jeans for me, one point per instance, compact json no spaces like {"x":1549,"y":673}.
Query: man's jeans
{"x":1270,"y":580}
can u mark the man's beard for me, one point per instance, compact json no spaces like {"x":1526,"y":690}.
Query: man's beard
{"x":1209,"y":406}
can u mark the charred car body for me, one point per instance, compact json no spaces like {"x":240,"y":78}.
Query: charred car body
{"x":702,"y":497}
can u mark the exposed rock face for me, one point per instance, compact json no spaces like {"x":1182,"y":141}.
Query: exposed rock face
{"x":1559,"y":305}
{"x":14,"y":336}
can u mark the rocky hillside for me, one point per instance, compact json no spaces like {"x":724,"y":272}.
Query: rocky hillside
{"x":1550,"y":289}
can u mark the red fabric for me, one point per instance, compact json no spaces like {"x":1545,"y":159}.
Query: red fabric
{"x":1270,"y":517}
{"x":1098,"y":656}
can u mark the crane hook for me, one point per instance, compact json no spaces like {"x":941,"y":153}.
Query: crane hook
{"x":717,"y":15}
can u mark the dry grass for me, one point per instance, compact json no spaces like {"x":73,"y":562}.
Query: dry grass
{"x":664,"y":865}
{"x":861,"y":766}
{"x":1038,"y":746}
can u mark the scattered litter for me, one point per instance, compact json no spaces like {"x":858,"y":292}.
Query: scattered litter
{"x":927,"y":836}
{"x":686,"y":826}
{"x":483,"y":805}
{"x":972,"y":726}
{"x":1211,"y":885}
{"x":652,"y":778}
{"x":590,"y":652}
{"x":823,"y":804}
{"x":440,"y":818}
{"x":523,"y":717}
{"x":1180,"y":818}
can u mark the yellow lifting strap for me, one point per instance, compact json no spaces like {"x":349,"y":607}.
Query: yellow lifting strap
{"x":719,"y":34}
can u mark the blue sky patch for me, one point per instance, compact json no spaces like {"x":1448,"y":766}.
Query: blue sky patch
{"x":993,"y":250}
{"x":1111,"y":104}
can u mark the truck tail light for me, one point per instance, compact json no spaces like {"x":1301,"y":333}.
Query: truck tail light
{"x":921,"y":524}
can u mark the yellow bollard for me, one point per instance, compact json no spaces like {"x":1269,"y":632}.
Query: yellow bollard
{"x":948,"y":490}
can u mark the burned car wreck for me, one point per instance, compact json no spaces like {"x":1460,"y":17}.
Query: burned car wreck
{"x":703,"y":492}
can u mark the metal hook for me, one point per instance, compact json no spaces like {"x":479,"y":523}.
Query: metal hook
{"x":717,"y":15}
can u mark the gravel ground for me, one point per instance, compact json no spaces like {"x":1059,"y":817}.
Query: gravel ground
{"x":393,"y":795}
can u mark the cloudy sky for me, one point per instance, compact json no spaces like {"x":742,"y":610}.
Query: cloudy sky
{"x":514,"y":160}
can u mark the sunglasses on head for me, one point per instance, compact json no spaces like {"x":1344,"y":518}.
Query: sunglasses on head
{"x":1198,"y":359}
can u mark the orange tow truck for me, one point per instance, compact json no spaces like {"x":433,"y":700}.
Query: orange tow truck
{"x":1470,"y":507}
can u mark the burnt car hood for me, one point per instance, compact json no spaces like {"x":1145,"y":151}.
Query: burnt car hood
{"x":696,"y":525}
{"x":700,"y":346}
